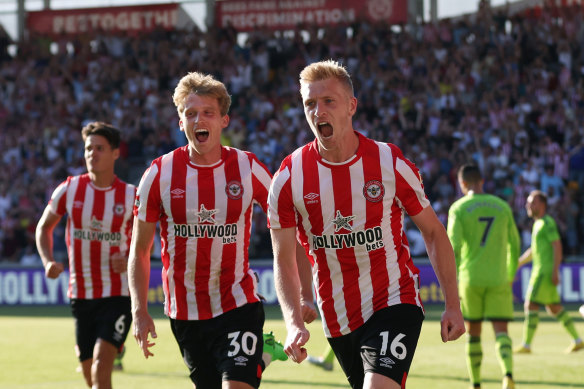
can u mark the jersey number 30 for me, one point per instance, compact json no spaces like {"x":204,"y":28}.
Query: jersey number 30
{"x":247,"y":343}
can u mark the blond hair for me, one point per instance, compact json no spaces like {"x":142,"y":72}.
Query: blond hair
{"x":323,"y":70}
{"x":202,"y":85}
{"x":540,"y":195}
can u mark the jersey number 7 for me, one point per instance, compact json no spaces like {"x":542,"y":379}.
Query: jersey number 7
{"x":489,"y":223}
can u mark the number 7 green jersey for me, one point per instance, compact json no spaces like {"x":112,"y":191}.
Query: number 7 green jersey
{"x":485,"y":239}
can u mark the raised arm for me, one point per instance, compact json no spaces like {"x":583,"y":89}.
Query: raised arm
{"x":138,"y":279}
{"x":442,"y":258}
{"x":44,"y":242}
{"x":288,"y":285}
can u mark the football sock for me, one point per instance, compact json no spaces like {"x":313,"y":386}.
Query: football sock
{"x":504,"y":353}
{"x":474,"y":358}
{"x":529,"y":326}
{"x":564,"y":318}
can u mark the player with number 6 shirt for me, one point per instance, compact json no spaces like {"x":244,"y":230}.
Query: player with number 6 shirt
{"x":99,"y":224}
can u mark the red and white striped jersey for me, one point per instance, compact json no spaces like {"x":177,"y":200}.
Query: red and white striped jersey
{"x":349,"y":218}
{"x":99,"y":224}
{"x":205,"y":215}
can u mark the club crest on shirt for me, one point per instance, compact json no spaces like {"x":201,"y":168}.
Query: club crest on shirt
{"x":234,"y":190}
{"x":119,"y":209}
{"x":374,"y":191}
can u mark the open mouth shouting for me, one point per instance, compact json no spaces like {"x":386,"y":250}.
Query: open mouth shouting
{"x":325,"y":129}
{"x":202,"y":134}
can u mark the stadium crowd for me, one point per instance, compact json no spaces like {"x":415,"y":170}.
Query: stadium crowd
{"x":506,"y":91}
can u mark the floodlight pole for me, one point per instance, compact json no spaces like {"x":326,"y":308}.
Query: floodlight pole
{"x":20,"y":19}
{"x":210,"y":18}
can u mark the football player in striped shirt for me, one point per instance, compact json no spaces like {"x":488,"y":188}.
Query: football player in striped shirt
{"x":345,"y":196}
{"x":99,"y":208}
{"x":203,"y":195}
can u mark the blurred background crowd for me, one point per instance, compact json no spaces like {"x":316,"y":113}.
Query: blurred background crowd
{"x":506,"y":92}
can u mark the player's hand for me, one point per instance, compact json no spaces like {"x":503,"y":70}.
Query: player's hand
{"x":451,"y":324}
{"x":555,"y":278}
{"x":53,"y":269}
{"x":297,"y":337}
{"x":308,"y":311}
{"x":119,"y":262}
{"x":144,"y":326}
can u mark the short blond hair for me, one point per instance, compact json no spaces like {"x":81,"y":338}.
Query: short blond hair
{"x":323,"y":70}
{"x":540,"y":195}
{"x":202,"y":85}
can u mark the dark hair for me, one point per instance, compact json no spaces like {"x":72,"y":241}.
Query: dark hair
{"x":470,"y":173}
{"x":106,"y":130}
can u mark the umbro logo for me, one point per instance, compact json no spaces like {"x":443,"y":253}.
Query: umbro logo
{"x":177,"y":193}
{"x":77,"y":204}
{"x":311,"y":198}
{"x":386,"y":362}
{"x":240,"y":360}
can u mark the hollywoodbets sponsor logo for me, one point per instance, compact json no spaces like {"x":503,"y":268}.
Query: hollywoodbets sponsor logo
{"x":371,"y":238}
{"x":228,"y":232}
{"x":113,"y":238}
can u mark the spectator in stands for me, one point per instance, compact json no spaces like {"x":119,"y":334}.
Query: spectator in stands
{"x":519,"y":93}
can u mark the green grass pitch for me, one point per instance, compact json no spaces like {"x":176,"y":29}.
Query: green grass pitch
{"x":36,"y":351}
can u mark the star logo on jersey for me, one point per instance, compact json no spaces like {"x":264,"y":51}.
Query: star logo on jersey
{"x":343,"y":222}
{"x":206,"y":215}
{"x":234,"y":190}
{"x":95,"y":224}
{"x":374,"y":191}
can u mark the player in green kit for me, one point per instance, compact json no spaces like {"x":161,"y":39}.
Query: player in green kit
{"x":486,"y":242}
{"x":546,"y":254}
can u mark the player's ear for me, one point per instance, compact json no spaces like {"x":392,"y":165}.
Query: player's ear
{"x":224,"y":121}
{"x":352,"y":105}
